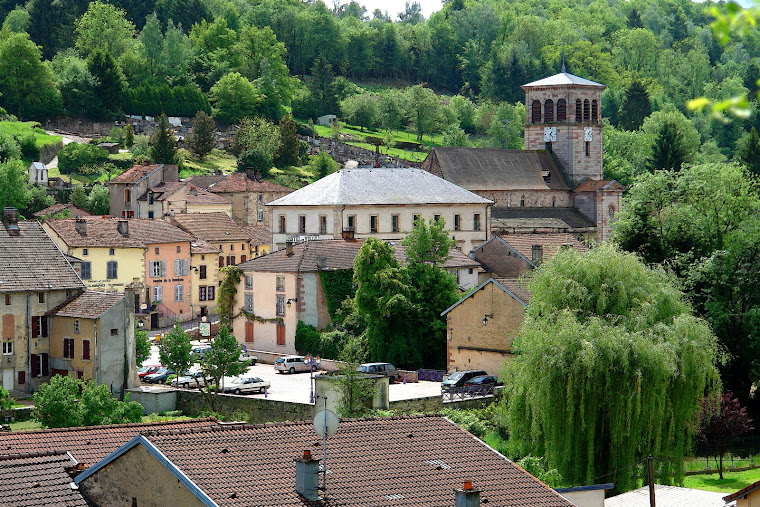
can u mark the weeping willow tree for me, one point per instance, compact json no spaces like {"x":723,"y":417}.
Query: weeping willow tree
{"x":610,"y":367}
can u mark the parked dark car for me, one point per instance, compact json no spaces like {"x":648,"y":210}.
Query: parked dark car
{"x":482,"y":381}
{"x":147,"y":370}
{"x":159,"y":377}
{"x":458,"y":378}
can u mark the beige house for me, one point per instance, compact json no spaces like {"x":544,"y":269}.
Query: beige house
{"x":126,"y":189}
{"x":220,"y":230}
{"x":171,"y":198}
{"x":91,"y":335}
{"x":280,"y":289}
{"x":247,"y":195}
{"x":35,"y":277}
{"x":482,"y":324}
{"x":379,"y":203}
{"x":204,"y":278}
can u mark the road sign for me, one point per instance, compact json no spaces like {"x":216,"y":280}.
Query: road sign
{"x":205,"y":328}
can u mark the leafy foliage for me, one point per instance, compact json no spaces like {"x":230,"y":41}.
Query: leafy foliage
{"x":14,"y":192}
{"x":65,"y":402}
{"x":219,"y":361}
{"x":142,"y":345}
{"x":609,"y":366}
{"x":6,"y":402}
{"x":356,"y":391}
{"x":233,"y":98}
{"x":174,"y":350}
{"x":163,"y":148}
{"x":74,"y":156}
{"x":721,"y":425}
{"x":337,"y":285}
{"x":225,"y":297}
{"x":202,"y":137}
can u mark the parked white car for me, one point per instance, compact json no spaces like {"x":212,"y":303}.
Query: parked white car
{"x":245,"y":356}
{"x":291,"y":364}
{"x":190,"y":379}
{"x":240,"y":385}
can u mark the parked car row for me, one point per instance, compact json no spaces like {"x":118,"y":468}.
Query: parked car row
{"x":473,"y":379}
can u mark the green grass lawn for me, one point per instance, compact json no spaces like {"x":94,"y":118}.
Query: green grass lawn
{"x":20,"y":128}
{"x":731,"y":482}
{"x":217,"y":159}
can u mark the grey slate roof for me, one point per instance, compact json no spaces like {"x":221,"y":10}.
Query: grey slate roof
{"x":31,"y":262}
{"x":563,"y":78}
{"x":379,"y":186}
{"x":88,"y":305}
{"x":539,"y":218}
{"x":38,"y":478}
{"x":485,"y":169}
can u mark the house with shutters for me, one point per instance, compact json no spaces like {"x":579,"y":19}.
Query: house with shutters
{"x":126,"y":190}
{"x":204,"y":278}
{"x":169,"y":198}
{"x":35,"y":277}
{"x":556,"y":184}
{"x":220,"y":230}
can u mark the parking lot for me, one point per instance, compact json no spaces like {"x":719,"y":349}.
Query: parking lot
{"x":296,"y":387}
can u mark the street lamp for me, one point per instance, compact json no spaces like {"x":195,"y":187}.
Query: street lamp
{"x":486,"y":317}
{"x":311,"y":361}
{"x":290,"y":301}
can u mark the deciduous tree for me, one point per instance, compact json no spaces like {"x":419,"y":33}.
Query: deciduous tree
{"x":233,"y":98}
{"x":721,"y":425}
{"x":174,"y":350}
{"x":219,"y":361}
{"x":104,"y":27}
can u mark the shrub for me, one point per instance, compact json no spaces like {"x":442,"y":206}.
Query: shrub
{"x":28,"y":144}
{"x":6,"y":402}
{"x":9,"y":148}
{"x":307,"y":338}
{"x":255,"y":160}
{"x":73,"y":156}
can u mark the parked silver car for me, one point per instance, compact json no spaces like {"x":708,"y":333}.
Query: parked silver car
{"x":240,"y":385}
{"x":291,"y":364}
{"x":386,"y":369}
{"x":189,"y":379}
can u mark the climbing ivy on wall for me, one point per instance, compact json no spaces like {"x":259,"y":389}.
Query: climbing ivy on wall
{"x":225,"y":298}
{"x":337,"y":286}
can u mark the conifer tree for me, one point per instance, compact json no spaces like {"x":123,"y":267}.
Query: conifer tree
{"x":111,"y":86}
{"x":202,"y":138}
{"x":748,"y":152}
{"x":635,"y":106}
{"x":668,"y":149}
{"x":162,"y":149}
{"x":287,"y":154}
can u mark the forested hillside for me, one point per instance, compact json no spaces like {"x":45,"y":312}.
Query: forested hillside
{"x":239,"y":58}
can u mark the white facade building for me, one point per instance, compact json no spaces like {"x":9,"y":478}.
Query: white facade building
{"x":380,"y":203}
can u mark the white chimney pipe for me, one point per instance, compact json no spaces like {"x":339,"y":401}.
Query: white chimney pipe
{"x":467,"y":496}
{"x":307,"y":476}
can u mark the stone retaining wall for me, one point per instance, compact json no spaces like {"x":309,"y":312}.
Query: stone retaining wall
{"x":258,"y":410}
{"x":436,"y":404}
{"x":16,"y":414}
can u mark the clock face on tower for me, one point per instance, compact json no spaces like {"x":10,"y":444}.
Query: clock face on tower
{"x":550,"y":134}
{"x":588,"y":134}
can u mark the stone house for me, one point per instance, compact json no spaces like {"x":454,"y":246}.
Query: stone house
{"x":126,"y":189}
{"x":481,"y":325}
{"x":174,"y":197}
{"x":92,"y":336}
{"x":38,"y":174}
{"x":379,"y":203}
{"x":204,"y":278}
{"x":442,"y":464}
{"x":556,"y":184}
{"x":280,"y":289}
{"x":248,"y":195}
{"x":219,"y":230}
{"x":35,"y":277}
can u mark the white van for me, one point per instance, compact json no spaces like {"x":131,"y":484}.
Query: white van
{"x":291,"y":364}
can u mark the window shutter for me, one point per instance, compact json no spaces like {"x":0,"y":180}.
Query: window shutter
{"x":185,"y":267}
{"x":44,"y":326}
{"x":85,"y":349}
{"x":243,"y":258}
{"x":221,"y":261}
{"x":35,"y":327}
{"x":45,"y":366}
{"x":280,"y":334}
{"x":35,"y":365}
{"x":249,"y":332}
{"x":163,"y":268}
{"x":177,"y":267}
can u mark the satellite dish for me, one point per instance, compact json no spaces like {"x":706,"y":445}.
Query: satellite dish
{"x":325,"y":423}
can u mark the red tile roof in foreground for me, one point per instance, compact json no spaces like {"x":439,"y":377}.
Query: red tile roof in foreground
{"x":87,"y":444}
{"x":400,"y":461}
{"x":37,"y":479}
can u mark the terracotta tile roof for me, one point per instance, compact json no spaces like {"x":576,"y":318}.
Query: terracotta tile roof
{"x":87,"y":444}
{"x":74,"y":211}
{"x":135,"y":173}
{"x":594,"y":185}
{"x":488,"y":169}
{"x":518,"y":287}
{"x":240,"y":182}
{"x":88,"y":305}
{"x":405,"y":461}
{"x":741,"y":492}
{"x":32,"y":262}
{"x":38,"y":479}
{"x":550,"y":243}
{"x":165,"y":192}
{"x":539,"y":218}
{"x":333,"y":254}
{"x":259,"y":234}
{"x":201,"y":246}
{"x":500,"y":258}
{"x":205,"y":181}
{"x":103,"y":232}
{"x":212,"y":227}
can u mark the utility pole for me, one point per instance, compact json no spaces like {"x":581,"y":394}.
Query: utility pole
{"x":650,"y":478}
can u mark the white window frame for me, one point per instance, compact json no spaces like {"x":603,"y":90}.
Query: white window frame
{"x":260,"y":216}
{"x":155,"y":269}
{"x":280,"y":283}
{"x":249,"y":302}
{"x":8,"y":348}
{"x":179,"y":294}
{"x":280,"y":305}
{"x":249,"y":281}
{"x":158,"y":293}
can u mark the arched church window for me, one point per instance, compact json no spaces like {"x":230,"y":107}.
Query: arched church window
{"x":611,"y":210}
{"x":522,"y":201}
{"x":586,"y":111}
{"x":535,"y":115}
{"x":553,"y":201}
{"x":561,"y":110}
{"x":594,"y":111}
{"x":578,"y":111}
{"x":549,"y":110}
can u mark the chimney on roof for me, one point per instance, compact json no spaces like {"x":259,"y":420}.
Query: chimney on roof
{"x":258,"y":176}
{"x":289,"y":248}
{"x":123,"y":227}
{"x":193,"y":191}
{"x":81,"y":226}
{"x":467,"y":496}
{"x":10,"y":220}
{"x":307,"y":476}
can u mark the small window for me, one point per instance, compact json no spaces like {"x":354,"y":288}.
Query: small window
{"x":158,"y":293}
{"x":85,"y":251}
{"x":537,"y":252}
{"x":86,"y":349}
{"x":260,"y":216}
{"x":476,"y":222}
{"x":86,"y":271}
{"x":76,"y":326}
{"x":578,"y":111}
{"x":588,"y":148}
{"x":586,"y":110}
{"x":561,"y":110}
{"x":231,"y":260}
{"x":211,"y":294}
{"x":280,"y":305}
{"x":280,"y":284}
{"x":351,"y":222}
{"x":415,"y":219}
{"x":7,"y":348}
{"x":202,"y":293}
{"x":22,"y":377}
{"x":151,"y":214}
{"x":127,"y":196}
{"x":554,"y":201}
{"x":249,"y":303}
{"x":7,"y":299}
{"x":549,"y":110}
{"x":522,"y":201}
{"x":594,"y":111}
{"x":150,"y":197}
{"x":282,"y":224}
{"x":111,"y":251}
{"x":260,"y":198}
{"x":202,"y":272}
{"x":179,"y":249}
{"x":457,"y":222}
{"x":249,"y":281}
{"x":322,"y":224}
{"x":232,"y":248}
{"x":41,"y":297}
{"x":301,"y":224}
{"x":436,"y":218}
{"x":373,"y":223}
{"x":242,"y":246}
{"x":394,"y":223}
{"x":68,"y":348}
{"x":155,"y":269}
{"x":114,"y":331}
{"x":221,"y":261}
{"x":179,"y":293}
{"x":535,"y":115}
